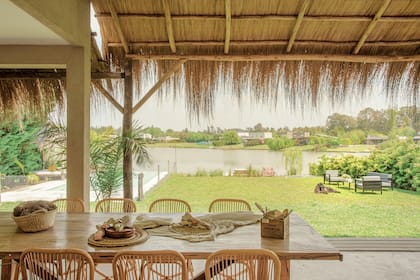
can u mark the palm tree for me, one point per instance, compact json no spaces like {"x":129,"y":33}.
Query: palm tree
{"x":106,"y":152}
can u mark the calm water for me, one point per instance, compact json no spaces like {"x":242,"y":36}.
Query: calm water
{"x":190,"y":160}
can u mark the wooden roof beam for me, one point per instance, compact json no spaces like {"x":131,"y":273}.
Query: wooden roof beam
{"x":228,"y":14}
{"x":269,"y":43}
{"x":117,"y":25}
{"x":154,"y":89}
{"x":317,"y":18}
{"x":169,"y":27}
{"x":371,"y":26}
{"x":283,"y":57}
{"x":299,"y":20}
{"x":109,"y":97}
{"x":60,"y":75}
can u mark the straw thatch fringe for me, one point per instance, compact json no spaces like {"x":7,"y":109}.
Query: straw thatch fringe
{"x":19,"y":98}
{"x":302,"y":84}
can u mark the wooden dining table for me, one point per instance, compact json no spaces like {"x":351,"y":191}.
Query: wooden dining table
{"x":73,"y":230}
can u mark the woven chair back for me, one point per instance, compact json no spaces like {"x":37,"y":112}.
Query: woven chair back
{"x":115,"y":205}
{"x":69,"y":205}
{"x":169,"y":205}
{"x":147,"y":265}
{"x":229,"y":205}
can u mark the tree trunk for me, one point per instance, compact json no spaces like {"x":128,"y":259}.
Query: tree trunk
{"x":127,"y":125}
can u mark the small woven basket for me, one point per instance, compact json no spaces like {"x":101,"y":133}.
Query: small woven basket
{"x":36,"y":221}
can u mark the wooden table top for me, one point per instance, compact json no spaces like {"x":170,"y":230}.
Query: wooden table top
{"x":73,"y":230}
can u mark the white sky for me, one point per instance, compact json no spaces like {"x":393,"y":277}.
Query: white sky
{"x":227,"y":114}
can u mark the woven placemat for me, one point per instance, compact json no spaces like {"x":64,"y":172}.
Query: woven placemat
{"x":139,"y":237}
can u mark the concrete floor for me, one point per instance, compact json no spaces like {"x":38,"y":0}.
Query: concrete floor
{"x":361,"y":266}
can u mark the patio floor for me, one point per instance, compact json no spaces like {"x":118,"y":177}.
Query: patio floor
{"x":361,"y":266}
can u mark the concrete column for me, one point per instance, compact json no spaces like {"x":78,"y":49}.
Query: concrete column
{"x":78,"y":124}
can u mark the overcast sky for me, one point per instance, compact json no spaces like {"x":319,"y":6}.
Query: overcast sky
{"x":228,"y":114}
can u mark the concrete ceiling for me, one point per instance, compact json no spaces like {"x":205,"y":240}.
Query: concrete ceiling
{"x":19,"y":28}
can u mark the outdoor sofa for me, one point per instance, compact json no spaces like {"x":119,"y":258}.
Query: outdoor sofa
{"x":386,"y":179}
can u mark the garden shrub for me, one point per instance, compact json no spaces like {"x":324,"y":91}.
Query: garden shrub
{"x":215,"y":173}
{"x":280,"y":143}
{"x":401,"y":159}
{"x":201,"y":173}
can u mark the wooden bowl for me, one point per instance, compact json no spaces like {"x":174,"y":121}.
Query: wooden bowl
{"x":125,"y":233}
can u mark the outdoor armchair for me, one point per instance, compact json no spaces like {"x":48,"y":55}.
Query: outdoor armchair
{"x":333,"y":176}
{"x":368,"y":183}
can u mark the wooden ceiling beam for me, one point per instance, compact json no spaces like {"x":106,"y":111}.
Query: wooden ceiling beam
{"x":269,"y":43}
{"x":108,"y":96}
{"x":154,"y":89}
{"x":283,"y":57}
{"x":371,"y":26}
{"x":299,"y":20}
{"x":270,"y":17}
{"x":60,"y":75}
{"x":228,"y":14}
{"x":169,"y":27}
{"x":117,"y":25}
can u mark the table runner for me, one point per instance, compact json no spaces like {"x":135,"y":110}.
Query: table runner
{"x":206,"y":228}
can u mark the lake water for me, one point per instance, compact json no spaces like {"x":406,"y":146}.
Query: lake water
{"x":184,"y":160}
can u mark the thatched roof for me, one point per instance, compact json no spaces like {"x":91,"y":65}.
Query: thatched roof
{"x":300,"y":49}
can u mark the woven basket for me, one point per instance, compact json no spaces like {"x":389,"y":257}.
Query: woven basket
{"x":36,"y":222}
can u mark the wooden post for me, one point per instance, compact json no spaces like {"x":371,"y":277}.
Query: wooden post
{"x":127,"y":126}
{"x":140,"y":196}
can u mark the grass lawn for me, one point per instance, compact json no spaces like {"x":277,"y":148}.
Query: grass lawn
{"x":392,"y":214}
{"x":345,"y":214}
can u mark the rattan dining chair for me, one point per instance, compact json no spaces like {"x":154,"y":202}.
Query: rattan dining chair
{"x":169,"y":205}
{"x":115,"y":205}
{"x":40,"y":263}
{"x":147,"y":265}
{"x":69,"y":205}
{"x":229,"y":205}
{"x":243,"y":264}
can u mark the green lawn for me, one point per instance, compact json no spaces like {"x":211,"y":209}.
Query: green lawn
{"x":392,"y":214}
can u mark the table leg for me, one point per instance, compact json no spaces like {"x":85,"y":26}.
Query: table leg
{"x":285,"y":269}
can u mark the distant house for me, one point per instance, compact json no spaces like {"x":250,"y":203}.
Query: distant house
{"x":260,"y":135}
{"x":243,"y":134}
{"x":374,"y":140}
{"x":300,"y":138}
{"x":146,"y":136}
{"x":252,"y":137}
{"x":167,"y":139}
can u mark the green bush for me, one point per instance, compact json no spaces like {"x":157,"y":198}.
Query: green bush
{"x":217,"y":172}
{"x":253,"y":142}
{"x":401,"y":159}
{"x":280,"y":143}
{"x":201,"y":173}
{"x":19,"y":153}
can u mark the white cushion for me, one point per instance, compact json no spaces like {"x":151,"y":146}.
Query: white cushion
{"x":371,"y":178}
